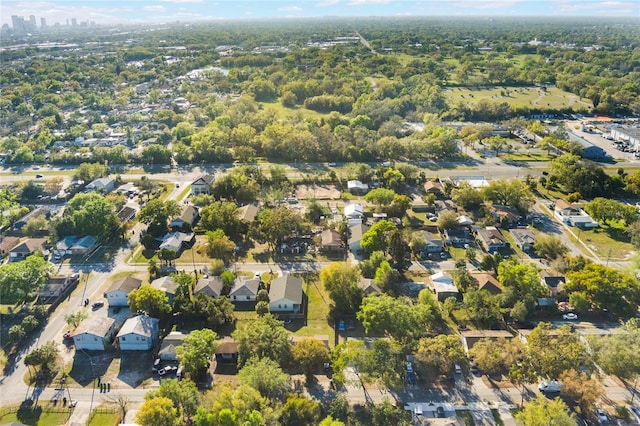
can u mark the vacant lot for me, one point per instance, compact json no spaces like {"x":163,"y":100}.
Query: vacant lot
{"x":551,"y":98}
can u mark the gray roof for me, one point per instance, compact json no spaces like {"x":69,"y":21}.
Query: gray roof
{"x":166,"y":284}
{"x":96,"y":325}
{"x":250,"y":284}
{"x":141,"y":325}
{"x":286,"y":287}
{"x":211,"y":286}
{"x":125,"y":284}
{"x":357,"y":231}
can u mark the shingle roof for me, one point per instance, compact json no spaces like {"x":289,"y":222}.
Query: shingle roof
{"x":251,"y":284}
{"x":166,"y":284}
{"x":211,"y":286}
{"x":99,"y":326}
{"x":125,"y":284}
{"x":141,"y":325}
{"x":286,"y":287}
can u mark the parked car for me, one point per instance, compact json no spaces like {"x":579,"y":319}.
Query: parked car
{"x":550,"y":386}
{"x":167,"y":370}
{"x":570,"y":316}
{"x":602,"y":416}
{"x":458,"y":369}
{"x":409,"y":367}
{"x":97,"y":305}
{"x":474,"y":369}
{"x":67,"y":335}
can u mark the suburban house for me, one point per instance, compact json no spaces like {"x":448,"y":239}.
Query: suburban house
{"x":487,"y":282}
{"x":524,"y":239}
{"x":94,"y":333}
{"x":244,"y":289}
{"x":63,"y":247}
{"x":249,"y":212}
{"x":433,"y":187}
{"x":355,"y":237}
{"x":506,"y":216}
{"x":227,"y":351}
{"x":118,"y":293}
{"x":139,"y":333}
{"x":6,"y":244}
{"x":433,"y":242}
{"x":286,"y":295}
{"x":168,"y":285}
{"x":127,"y":213}
{"x":211,"y":286}
{"x":177,"y":241}
{"x":331,"y":241}
{"x":84,"y":245}
{"x":443,"y":286}
{"x":57,"y":285}
{"x":357,"y":188}
{"x":189,"y":216}
{"x":491,"y":239}
{"x":471,"y":337}
{"x":27,"y":248}
{"x":202,"y":185}
{"x":555,"y":285}
{"x":368,"y":286}
{"x":465,"y":220}
{"x":35,"y":213}
{"x":128,"y":189}
{"x":457,"y":236}
{"x":572,"y":215}
{"x":354,"y":213}
{"x":169,"y":344}
{"x":104,"y":185}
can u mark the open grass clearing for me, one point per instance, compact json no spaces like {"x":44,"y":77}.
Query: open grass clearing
{"x":104,"y":419}
{"x":608,"y":242}
{"x":41,"y":415}
{"x":551,"y":98}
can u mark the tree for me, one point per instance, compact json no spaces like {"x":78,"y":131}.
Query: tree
{"x":276,"y":224}
{"x":439,"y":354}
{"x":514,"y":193}
{"x":496,"y":356}
{"x":448,"y":220}
{"x":309,"y":356}
{"x":549,"y":246}
{"x":225,"y":216}
{"x":340,"y":280}
{"x":605,"y":288}
{"x":220,"y":246}
{"x":608,"y":210}
{"x":19,"y":279}
{"x":617,"y":354}
{"x":43,"y":356}
{"x":35,"y":226}
{"x":380,"y":196}
{"x":266,"y":376}
{"x":121,"y":401}
{"x":152,"y":301}
{"x":552,"y":354}
{"x":300,"y":410}
{"x":482,"y":307}
{"x":583,"y":388}
{"x":386,"y":414}
{"x":196,"y":351}
{"x":265,"y":337}
{"x":157,"y":412}
{"x":398,"y":318}
{"x":399,"y":250}
{"x":522,"y":282}
{"x":376,"y":238}
{"x":467,"y":197}
{"x":262,"y":308}
{"x":88,"y":172}
{"x":183,"y":394}
{"x":330,"y":421}
{"x":17,"y":333}
{"x":76,"y":318}
{"x":90,"y":214}
{"x":542,"y":412}
{"x":497,"y":143}
{"x":156,"y":213}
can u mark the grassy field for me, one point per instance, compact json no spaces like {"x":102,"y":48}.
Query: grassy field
{"x":104,"y":419}
{"x":608,"y":242}
{"x":284,"y":112}
{"x":552,"y":98}
{"x":318,"y":310}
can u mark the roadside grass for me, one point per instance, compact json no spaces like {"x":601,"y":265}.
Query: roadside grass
{"x":466,"y":416}
{"x":496,"y":417}
{"x":34,"y":416}
{"x":609,"y":241}
{"x":98,"y":418}
{"x":519,"y":156}
{"x":317,"y":311}
{"x":185,"y":192}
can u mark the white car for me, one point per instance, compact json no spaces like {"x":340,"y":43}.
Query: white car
{"x":602,"y":416}
{"x":570,"y":316}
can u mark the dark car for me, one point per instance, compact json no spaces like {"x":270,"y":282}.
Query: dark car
{"x":67,"y":335}
{"x":440,"y":412}
{"x":97,"y":305}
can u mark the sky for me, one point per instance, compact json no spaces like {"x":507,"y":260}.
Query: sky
{"x":157,"y":11}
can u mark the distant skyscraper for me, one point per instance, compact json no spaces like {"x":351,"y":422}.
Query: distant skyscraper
{"x":32,"y":19}
{"x":43,"y":22}
{"x":74,"y":22}
{"x":17,"y":22}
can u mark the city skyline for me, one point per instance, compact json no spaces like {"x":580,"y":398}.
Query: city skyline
{"x":157,"y":11}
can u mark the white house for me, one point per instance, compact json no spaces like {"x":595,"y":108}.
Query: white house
{"x":573,"y":215}
{"x":357,"y":187}
{"x":104,"y":185}
{"x":354,"y":213}
{"x":118,"y":293}
{"x":442,"y":285}
{"x":244,"y":289}
{"x":94,"y":333}
{"x":176,"y":241}
{"x":355,"y":237}
{"x":211,"y":286}
{"x":188,"y":216}
{"x":138,"y":333}
{"x":286,"y":295}
{"x":202,"y":185}
{"x":84,"y":245}
{"x":169,"y":344}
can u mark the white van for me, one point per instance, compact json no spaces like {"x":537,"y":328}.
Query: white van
{"x":550,"y":386}
{"x":458,"y":369}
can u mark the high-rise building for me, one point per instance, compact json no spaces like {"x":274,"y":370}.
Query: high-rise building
{"x":32,"y":20}
{"x":43,"y":22}
{"x":17,"y":22}
{"x":74,"y":22}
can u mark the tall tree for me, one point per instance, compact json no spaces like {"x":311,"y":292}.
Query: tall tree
{"x":266,"y":376}
{"x":158,"y":412}
{"x":157,"y":213}
{"x":542,"y":412}
{"x":183,"y":393}
{"x":152,"y":301}
{"x":341,"y":282}
{"x":196,"y":351}
{"x":265,"y":337}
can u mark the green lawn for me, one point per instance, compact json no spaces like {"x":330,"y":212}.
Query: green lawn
{"x":608,"y":242}
{"x":104,"y":419}
{"x":284,"y":112}
{"x":318,"y":310}
{"x":519,"y":156}
{"x":552,"y":98}
{"x":38,"y":417}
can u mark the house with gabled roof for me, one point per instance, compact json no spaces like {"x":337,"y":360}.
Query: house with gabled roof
{"x":188,"y":216}
{"x":139,"y":333}
{"x":331,"y":241}
{"x":357,"y":188}
{"x":169,"y":344}
{"x":57,"y":285}
{"x":524,"y":239}
{"x":573,"y":215}
{"x":491,"y":239}
{"x":118,"y":292}
{"x":506,"y":216}
{"x":26,"y":248}
{"x":6,"y":244}
{"x":286,"y":295}
{"x":249,"y":212}
{"x":211,"y":286}
{"x":168,"y":285}
{"x":104,"y":185}
{"x":33,"y":214}
{"x":84,"y":245}
{"x":355,"y":237}
{"x":433,"y":187}
{"x":368,"y":286}
{"x":433,"y":242}
{"x":443,"y":286}
{"x":487,"y":282}
{"x":202,"y":185}
{"x":94,"y":333}
{"x":177,"y":241}
{"x":244,"y":289}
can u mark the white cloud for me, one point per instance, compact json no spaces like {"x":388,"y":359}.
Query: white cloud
{"x":327,"y":3}
{"x":181,"y":1}
{"x":367,"y":2}
{"x":290,"y":9}
{"x":155,"y":8}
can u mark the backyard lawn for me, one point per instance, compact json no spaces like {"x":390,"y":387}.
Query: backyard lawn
{"x":38,"y":417}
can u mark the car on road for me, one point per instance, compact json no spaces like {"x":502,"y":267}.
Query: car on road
{"x":474,"y":369}
{"x":97,"y":305}
{"x":570,"y":316}
{"x":550,"y":386}
{"x":38,"y":176}
{"x":602,"y":416}
{"x":332,"y":164}
{"x":67,"y":335}
{"x":458,"y":369}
